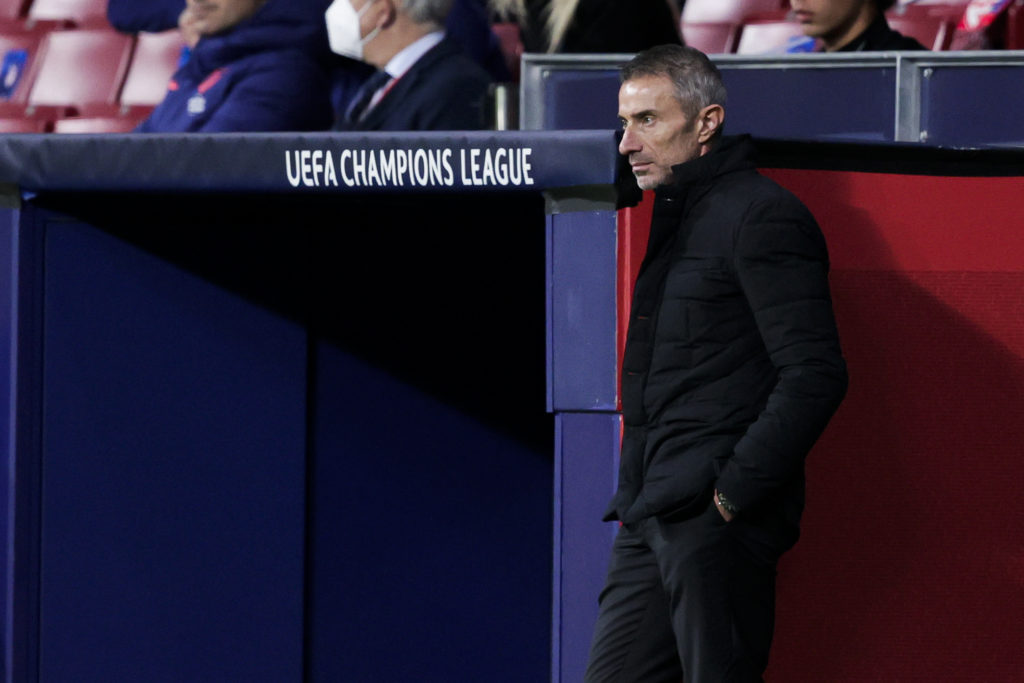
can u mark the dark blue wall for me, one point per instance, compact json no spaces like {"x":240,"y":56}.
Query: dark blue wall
{"x":279,"y":449}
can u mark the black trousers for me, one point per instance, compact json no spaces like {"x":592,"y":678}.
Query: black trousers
{"x":689,"y":600}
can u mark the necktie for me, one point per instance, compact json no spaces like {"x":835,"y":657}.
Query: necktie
{"x":365,"y":93}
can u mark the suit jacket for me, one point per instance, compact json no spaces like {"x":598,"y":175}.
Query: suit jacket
{"x":444,"y":90}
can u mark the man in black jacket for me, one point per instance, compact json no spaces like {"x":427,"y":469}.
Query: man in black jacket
{"x":732,"y":369}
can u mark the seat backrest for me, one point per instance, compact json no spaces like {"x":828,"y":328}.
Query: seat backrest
{"x":24,"y":125}
{"x":76,"y":11}
{"x":932,"y":31}
{"x":154,"y":60}
{"x":711,"y":38}
{"x":19,"y":57}
{"x":104,"y":124}
{"x":80,"y":67}
{"x":13,"y":10}
{"x":767,"y":37}
{"x":727,"y":11}
{"x":510,"y":40}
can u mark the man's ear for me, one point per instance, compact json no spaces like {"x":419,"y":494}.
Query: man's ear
{"x":388,"y":17}
{"x":709,"y":122}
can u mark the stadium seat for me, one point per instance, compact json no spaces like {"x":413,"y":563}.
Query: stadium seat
{"x":711,"y":38}
{"x":98,"y":124}
{"x":1015,"y":27}
{"x":75,"y":12}
{"x":25,"y":125}
{"x":81,"y":67}
{"x":155,"y":58}
{"x":727,"y":11}
{"x":12,"y":10}
{"x":934,"y":31}
{"x":713,"y":26}
{"x":511,"y":41}
{"x":19,"y":58}
{"x":768,"y":36}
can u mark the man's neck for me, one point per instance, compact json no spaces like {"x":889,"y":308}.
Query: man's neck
{"x":844,"y":34}
{"x":396,"y":38}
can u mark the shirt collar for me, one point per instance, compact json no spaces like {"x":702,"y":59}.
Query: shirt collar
{"x":409,"y":55}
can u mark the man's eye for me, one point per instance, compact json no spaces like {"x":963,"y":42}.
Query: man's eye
{"x":648,"y":120}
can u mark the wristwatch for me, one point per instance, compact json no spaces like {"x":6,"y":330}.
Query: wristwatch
{"x":725,"y":504}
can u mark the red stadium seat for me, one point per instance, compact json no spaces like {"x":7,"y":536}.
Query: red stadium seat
{"x":511,"y":41}
{"x":711,"y":38}
{"x":81,"y":67}
{"x":727,"y":11}
{"x":25,"y":125}
{"x":932,"y":30}
{"x":98,"y":124}
{"x":768,"y":36}
{"x":713,"y":26}
{"x":73,"y":69}
{"x":76,"y":12}
{"x":154,"y":60}
{"x":19,"y":58}
{"x":13,"y":10}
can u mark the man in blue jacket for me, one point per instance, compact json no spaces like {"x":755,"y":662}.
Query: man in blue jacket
{"x":258,"y":65}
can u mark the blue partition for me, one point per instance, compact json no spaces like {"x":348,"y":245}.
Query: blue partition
{"x":277,"y":404}
{"x":919,"y":97}
{"x":853,"y":102}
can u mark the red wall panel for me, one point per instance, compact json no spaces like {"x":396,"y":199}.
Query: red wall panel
{"x":911,"y":565}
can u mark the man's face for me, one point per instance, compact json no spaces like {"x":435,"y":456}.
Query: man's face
{"x":209,"y":17}
{"x":827,"y":18}
{"x":657,"y":133}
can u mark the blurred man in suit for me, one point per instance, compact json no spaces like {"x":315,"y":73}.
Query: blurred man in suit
{"x":424,"y":80}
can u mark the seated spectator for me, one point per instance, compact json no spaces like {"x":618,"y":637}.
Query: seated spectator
{"x":425,"y":81}
{"x":257,"y":65}
{"x":468,"y":24}
{"x":848,"y":26}
{"x":592,"y":26}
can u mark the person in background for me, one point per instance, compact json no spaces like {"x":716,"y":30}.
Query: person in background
{"x":256,"y":65}
{"x":468,"y":24}
{"x":424,"y":79}
{"x":592,"y":26}
{"x":732,"y":369}
{"x":847,"y":26}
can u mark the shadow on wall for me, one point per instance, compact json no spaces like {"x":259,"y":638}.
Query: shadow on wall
{"x":911,"y":565}
{"x":444,"y":292}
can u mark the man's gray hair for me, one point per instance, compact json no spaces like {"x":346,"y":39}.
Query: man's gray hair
{"x":698,"y":81}
{"x":427,"y":11}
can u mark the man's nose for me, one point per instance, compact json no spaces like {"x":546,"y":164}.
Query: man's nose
{"x":629,"y":142}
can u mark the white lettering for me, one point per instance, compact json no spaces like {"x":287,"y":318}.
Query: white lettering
{"x":488,"y":168}
{"x":474,"y":166}
{"x":293,"y":177}
{"x":446,"y":159}
{"x":501,"y":166}
{"x":307,"y":167}
{"x":331,"y":177}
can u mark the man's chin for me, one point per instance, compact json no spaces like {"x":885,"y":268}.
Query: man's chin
{"x":647,"y":182}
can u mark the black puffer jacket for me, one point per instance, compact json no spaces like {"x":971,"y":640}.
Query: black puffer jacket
{"x":732,"y":365}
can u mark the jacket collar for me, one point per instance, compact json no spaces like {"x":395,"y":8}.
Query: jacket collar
{"x":730,"y":154}
{"x":875,"y":34}
{"x":278,"y":24}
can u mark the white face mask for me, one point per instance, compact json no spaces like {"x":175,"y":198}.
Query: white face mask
{"x":343,"y":30}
